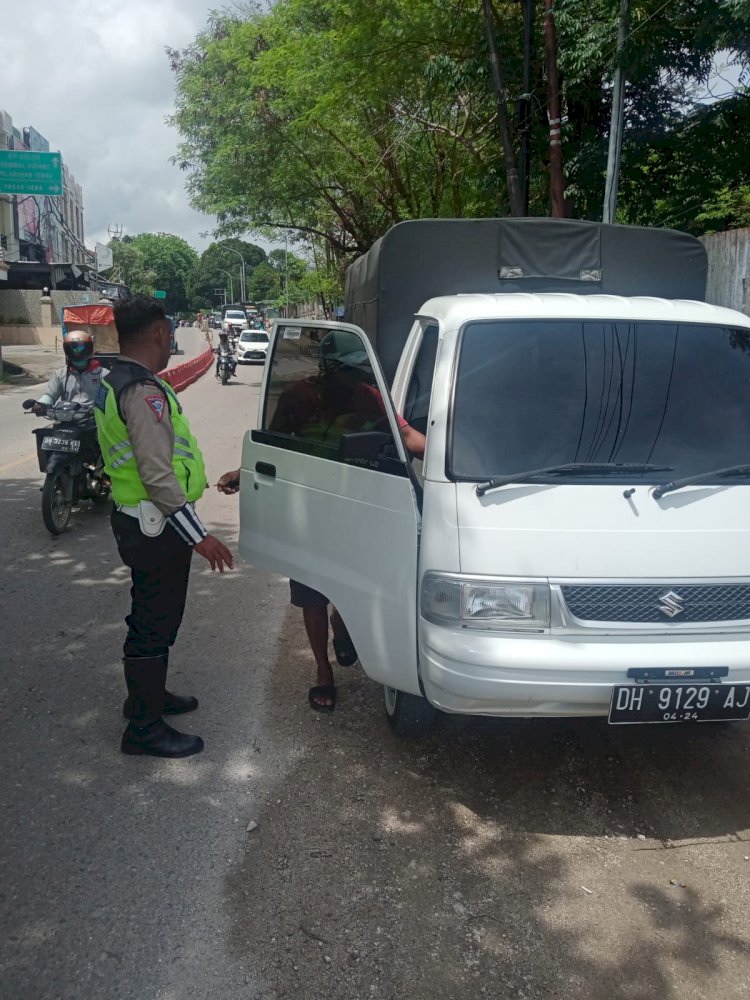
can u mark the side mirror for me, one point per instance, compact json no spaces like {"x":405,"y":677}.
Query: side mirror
{"x":366,"y":445}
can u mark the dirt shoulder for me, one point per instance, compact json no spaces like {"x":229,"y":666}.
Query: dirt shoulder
{"x":30,"y":365}
{"x":498,"y":858}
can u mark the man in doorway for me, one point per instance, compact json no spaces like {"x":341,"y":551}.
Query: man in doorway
{"x":339,"y":400}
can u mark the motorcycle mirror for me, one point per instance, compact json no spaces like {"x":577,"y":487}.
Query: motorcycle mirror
{"x":27,"y":404}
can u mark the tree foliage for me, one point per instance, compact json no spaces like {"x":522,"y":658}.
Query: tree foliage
{"x":156,"y":261}
{"x":218,"y":260}
{"x":130,"y":268}
{"x":335,"y":119}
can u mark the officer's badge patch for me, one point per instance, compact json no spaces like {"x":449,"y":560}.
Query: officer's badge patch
{"x":157,"y":404}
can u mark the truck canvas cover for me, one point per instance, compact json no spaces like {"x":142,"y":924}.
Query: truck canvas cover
{"x":418,"y":260}
{"x":97,"y":319}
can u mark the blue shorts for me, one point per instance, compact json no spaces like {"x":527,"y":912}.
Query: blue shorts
{"x":306,"y":597}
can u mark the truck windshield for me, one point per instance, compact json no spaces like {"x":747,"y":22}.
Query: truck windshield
{"x":538,"y":393}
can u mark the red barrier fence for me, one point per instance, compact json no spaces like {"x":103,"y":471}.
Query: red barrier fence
{"x":185,"y":374}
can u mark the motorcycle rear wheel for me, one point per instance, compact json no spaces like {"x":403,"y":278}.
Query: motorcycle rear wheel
{"x":56,"y":507}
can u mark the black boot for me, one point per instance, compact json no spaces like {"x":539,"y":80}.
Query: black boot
{"x":174,"y":704}
{"x":147,"y":732}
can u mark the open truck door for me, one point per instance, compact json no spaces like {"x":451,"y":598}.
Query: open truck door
{"x":326,"y":496}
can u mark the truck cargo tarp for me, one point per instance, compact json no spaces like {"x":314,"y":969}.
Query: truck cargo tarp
{"x":93,"y":315}
{"x":97,"y":319}
{"x":418,"y":260}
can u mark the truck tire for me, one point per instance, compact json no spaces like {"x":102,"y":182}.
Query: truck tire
{"x":55,"y":504}
{"x":408,"y":714}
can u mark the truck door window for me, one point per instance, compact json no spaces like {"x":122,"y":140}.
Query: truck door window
{"x":420,"y":385}
{"x":321,"y":389}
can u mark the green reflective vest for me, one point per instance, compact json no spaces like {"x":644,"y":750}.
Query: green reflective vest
{"x":119,"y":461}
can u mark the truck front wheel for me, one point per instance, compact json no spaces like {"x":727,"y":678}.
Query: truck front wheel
{"x":408,"y":714}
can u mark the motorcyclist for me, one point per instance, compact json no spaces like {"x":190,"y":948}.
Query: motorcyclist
{"x":78,"y":382}
{"x":224,"y":350}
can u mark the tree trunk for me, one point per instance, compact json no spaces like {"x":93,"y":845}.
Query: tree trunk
{"x":557,"y":184}
{"x":524,"y":104}
{"x":509,"y":156}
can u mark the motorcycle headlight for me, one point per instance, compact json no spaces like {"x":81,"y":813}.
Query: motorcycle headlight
{"x":464,"y":602}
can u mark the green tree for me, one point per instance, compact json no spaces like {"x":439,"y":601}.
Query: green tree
{"x":154,"y":261}
{"x":214,"y":261}
{"x":129,"y":267}
{"x":336,"y":120}
{"x":265,"y":284}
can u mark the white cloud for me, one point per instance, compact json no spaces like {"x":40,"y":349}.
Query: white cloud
{"x":92,"y":76}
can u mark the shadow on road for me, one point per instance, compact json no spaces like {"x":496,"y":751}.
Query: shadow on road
{"x":495,"y":858}
{"x":108,"y":860}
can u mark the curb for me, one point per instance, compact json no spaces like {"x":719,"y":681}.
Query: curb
{"x":181,"y":376}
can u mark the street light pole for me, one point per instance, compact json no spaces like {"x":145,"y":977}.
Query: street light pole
{"x":242,"y":274}
{"x":231,"y":283}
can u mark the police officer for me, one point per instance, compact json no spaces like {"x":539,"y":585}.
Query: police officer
{"x":157,"y":474}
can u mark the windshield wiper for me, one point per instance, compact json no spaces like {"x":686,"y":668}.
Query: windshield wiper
{"x":572,"y":468}
{"x":700,"y":477}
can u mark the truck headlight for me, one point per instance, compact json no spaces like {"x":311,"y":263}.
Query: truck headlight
{"x":472,"y":602}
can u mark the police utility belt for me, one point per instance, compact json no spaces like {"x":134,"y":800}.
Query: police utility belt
{"x":150,"y":519}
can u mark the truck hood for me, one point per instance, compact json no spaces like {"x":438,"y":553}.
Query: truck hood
{"x":575,"y":531}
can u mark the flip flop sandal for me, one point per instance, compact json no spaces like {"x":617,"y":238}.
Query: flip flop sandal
{"x":322,"y":691}
{"x":346,"y":654}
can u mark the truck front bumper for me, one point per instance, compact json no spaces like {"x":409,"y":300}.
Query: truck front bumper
{"x":481,"y":673}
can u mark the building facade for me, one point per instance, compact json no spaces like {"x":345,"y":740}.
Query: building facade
{"x":41,"y":229}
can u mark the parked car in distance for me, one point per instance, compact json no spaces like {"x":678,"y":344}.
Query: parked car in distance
{"x":252,"y":347}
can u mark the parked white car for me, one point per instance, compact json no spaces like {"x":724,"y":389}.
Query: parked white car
{"x":252,"y":347}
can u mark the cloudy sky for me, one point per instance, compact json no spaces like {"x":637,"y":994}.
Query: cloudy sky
{"x":92,"y":76}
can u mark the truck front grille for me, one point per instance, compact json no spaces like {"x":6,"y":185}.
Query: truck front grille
{"x":659,"y":604}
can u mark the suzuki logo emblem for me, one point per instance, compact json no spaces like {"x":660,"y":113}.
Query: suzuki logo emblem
{"x":671,"y":604}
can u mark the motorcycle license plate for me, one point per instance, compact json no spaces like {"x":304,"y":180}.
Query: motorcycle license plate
{"x":679,"y":703}
{"x":60,"y":444}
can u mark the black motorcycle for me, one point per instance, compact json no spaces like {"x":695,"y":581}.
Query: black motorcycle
{"x":69,"y":455}
{"x":226,"y":366}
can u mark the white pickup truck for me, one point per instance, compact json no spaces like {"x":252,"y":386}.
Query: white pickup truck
{"x":575,"y":541}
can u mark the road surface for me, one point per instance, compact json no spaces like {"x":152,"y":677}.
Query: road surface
{"x":494,"y":859}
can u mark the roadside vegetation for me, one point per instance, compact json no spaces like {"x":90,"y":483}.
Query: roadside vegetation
{"x":333,"y":121}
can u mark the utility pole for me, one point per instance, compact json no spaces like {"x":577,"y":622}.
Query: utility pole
{"x":231,"y":282}
{"x":616,"y":121}
{"x":242,"y":273}
{"x":524,"y":104}
{"x":114,"y":230}
{"x":501,"y":101}
{"x":286,"y":274}
{"x":556,"y":182}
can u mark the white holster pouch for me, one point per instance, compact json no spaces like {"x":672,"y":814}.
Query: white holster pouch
{"x":150,"y":519}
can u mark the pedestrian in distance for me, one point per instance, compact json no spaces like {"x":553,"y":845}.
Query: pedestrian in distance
{"x":157,"y":474}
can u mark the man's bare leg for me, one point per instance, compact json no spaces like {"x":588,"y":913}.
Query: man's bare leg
{"x":343,"y":646}
{"x":316,"y":626}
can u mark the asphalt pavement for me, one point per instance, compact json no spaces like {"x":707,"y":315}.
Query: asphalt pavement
{"x":308,"y":856}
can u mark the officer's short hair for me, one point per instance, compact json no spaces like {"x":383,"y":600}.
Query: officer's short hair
{"x":136,"y":314}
